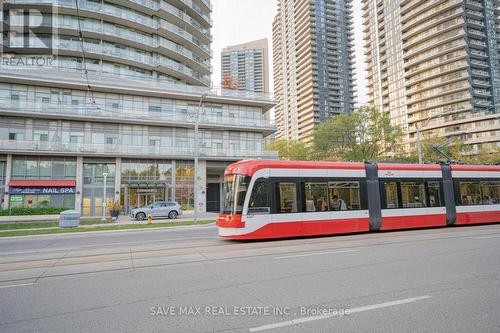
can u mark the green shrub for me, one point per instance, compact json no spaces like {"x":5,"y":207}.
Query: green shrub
{"x":32,"y":211}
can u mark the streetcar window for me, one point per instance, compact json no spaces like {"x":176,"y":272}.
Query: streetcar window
{"x":413,"y":194}
{"x":235,"y":189}
{"x":287,"y":193}
{"x":491,"y":192}
{"x":344,"y":195}
{"x":470,"y":193}
{"x":434,"y":194}
{"x":259,"y":199}
{"x":391,"y":195}
{"x":316,"y":197}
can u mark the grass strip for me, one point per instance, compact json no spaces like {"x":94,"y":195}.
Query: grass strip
{"x":43,"y":224}
{"x":27,"y":232}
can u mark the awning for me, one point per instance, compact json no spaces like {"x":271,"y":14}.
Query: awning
{"x":42,"y":183}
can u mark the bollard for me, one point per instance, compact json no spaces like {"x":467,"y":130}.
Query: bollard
{"x":150,"y":219}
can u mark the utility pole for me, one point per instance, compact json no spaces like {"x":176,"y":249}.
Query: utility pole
{"x":196,"y":153}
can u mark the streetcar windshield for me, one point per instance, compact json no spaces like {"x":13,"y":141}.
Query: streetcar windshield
{"x":235,"y":189}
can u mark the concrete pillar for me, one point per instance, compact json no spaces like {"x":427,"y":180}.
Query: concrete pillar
{"x":8,"y":176}
{"x":202,"y":186}
{"x":118,"y":177}
{"x":174,"y":183}
{"x":79,"y":184}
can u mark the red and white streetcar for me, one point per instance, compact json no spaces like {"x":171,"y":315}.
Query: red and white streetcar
{"x":274,"y":199}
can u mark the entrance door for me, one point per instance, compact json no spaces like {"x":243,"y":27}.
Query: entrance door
{"x":213,"y":198}
{"x":145,"y":199}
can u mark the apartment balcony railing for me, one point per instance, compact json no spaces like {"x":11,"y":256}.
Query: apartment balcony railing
{"x":130,"y":150}
{"x":123,"y":14}
{"x":138,"y":57}
{"x":479,"y":72}
{"x":102,"y":78}
{"x":474,"y":13}
{"x":481,"y":92}
{"x":475,"y":42}
{"x":475,"y":22}
{"x":479,"y":63}
{"x":478,"y":53}
{"x":472,"y":3}
{"x":98,"y":113}
{"x":112,"y":30}
{"x":410,"y":19}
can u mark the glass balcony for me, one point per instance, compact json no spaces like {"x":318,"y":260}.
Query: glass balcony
{"x":131,"y":150}
{"x":141,"y":58}
{"x":138,"y":115}
{"x":103,"y":78}
{"x":125,"y":14}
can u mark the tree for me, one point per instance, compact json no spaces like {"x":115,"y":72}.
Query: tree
{"x":289,"y":150}
{"x":457,"y":150}
{"x":230,"y":82}
{"x":333,"y":139}
{"x":366,"y":134}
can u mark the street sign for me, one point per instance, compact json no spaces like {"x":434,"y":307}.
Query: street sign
{"x":16,"y":199}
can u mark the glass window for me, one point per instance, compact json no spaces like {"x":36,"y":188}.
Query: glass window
{"x":69,"y":169}
{"x":413,"y":194}
{"x":491,"y":192}
{"x":391,"y":195}
{"x":344,"y":195}
{"x":45,"y":169}
{"x":316,"y":197}
{"x":259,"y":199}
{"x":235,"y":189}
{"x":287,"y":193}
{"x":470,"y":193}
{"x":434,"y":194}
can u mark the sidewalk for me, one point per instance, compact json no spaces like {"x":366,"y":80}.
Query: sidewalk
{"x":122,"y":219}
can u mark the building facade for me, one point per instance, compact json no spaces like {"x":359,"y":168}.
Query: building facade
{"x":436,"y":65}
{"x":149,"y":39}
{"x":313,"y":65}
{"x":55,"y":148}
{"x":246,"y":66}
{"x":124,"y":132}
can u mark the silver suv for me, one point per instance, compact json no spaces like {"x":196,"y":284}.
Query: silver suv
{"x":170,"y":209}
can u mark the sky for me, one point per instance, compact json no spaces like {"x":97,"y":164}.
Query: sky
{"x":241,"y":21}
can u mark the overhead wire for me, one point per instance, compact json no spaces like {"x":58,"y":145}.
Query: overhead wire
{"x":84,"y":61}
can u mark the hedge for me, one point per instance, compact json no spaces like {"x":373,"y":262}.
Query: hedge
{"x":32,"y":211}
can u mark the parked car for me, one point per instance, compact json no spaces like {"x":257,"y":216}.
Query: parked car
{"x":170,"y":209}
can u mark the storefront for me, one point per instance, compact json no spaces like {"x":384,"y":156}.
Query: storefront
{"x":42,"y":193}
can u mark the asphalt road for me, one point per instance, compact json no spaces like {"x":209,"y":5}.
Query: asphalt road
{"x":188,"y":280}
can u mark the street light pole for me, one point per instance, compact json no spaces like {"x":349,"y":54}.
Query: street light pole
{"x":419,"y":145}
{"x":105,"y":175}
{"x":196,"y":144}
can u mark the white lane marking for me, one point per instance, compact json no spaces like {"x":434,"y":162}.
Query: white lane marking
{"x":354,"y":310}
{"x":17,"y":285}
{"x":315,"y":254}
{"x":486,"y":237}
